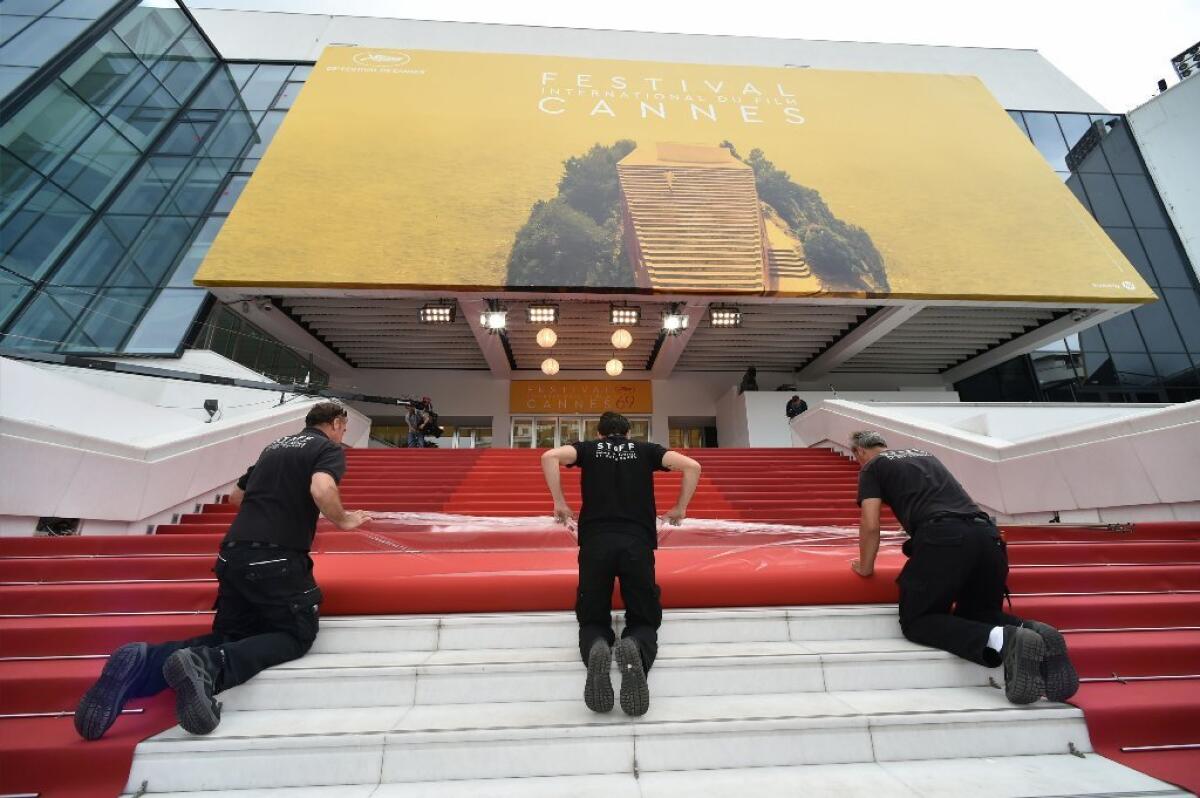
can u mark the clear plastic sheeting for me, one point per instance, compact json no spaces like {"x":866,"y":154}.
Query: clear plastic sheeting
{"x":417,"y":532}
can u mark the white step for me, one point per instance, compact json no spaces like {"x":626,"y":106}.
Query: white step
{"x":492,"y":705}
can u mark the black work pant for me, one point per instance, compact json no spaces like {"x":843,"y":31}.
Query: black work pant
{"x":609,"y":556}
{"x":952,"y":588}
{"x":267,"y":613}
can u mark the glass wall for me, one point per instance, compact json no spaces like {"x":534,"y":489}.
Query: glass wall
{"x":117,"y":177}
{"x":34,"y":32}
{"x":1151,"y":354}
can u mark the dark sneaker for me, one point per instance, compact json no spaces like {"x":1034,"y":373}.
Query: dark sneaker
{"x":1059,"y":674}
{"x":101,"y":705}
{"x":193,"y":678}
{"x":635,"y":693}
{"x":598,"y":691}
{"x":1023,"y":654}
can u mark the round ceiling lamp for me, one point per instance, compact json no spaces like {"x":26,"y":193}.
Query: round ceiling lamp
{"x":621,"y":339}
{"x":550,"y":366}
{"x":614,"y":367}
{"x":546,"y":338}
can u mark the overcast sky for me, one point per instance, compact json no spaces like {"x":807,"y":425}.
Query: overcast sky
{"x":1115,"y":49}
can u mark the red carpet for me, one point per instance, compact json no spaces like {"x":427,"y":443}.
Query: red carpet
{"x":1129,"y":602}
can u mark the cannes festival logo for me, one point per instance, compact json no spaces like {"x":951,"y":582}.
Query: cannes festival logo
{"x":1129,"y":285}
{"x":381,"y":59}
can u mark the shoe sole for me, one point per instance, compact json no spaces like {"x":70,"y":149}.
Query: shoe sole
{"x":193,"y":709}
{"x":1023,"y":682}
{"x":598,"y":690}
{"x":101,"y":705}
{"x":1060,"y":677}
{"x":635,"y":693}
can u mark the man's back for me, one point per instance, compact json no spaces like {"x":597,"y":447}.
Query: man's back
{"x":915,"y":485}
{"x":278,"y":506}
{"x":618,"y":486}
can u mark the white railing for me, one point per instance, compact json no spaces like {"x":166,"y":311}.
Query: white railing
{"x":1026,"y":462}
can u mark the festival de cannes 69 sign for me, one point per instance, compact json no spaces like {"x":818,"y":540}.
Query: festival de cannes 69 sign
{"x":465,"y":171}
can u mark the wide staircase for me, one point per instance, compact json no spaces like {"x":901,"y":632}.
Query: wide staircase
{"x":447,"y":664}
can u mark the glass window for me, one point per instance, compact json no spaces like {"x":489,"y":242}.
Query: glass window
{"x":266,"y":132}
{"x":126,"y":227}
{"x":287,"y":97}
{"x":195,"y":192}
{"x":1119,"y":148}
{"x":13,"y":291}
{"x":1016,"y":117}
{"x":48,"y":127}
{"x":1142,"y":201}
{"x":187,"y":135}
{"x":13,"y":76}
{"x":186,"y":270}
{"x":1075,"y":183}
{"x":260,"y":91}
{"x":12,"y":24}
{"x":232,"y":135}
{"x":36,"y":235}
{"x":93,"y":260}
{"x":42,"y":326}
{"x":1122,"y":334}
{"x":185,"y":66}
{"x":41,"y":41}
{"x":109,"y":318}
{"x":1173,"y":368}
{"x":1090,"y":339}
{"x":143,"y":112}
{"x":96,"y":167}
{"x":1127,"y":240}
{"x":150,"y":31}
{"x":1074,"y":127}
{"x":1106,"y":200}
{"x":17,"y":181}
{"x":1134,"y":368}
{"x":1185,"y":307}
{"x":168,"y":320}
{"x":162,"y":241}
{"x":1166,"y":258}
{"x":218,"y":94}
{"x":1157,"y":328}
{"x":105,"y":72}
{"x":301,"y":73}
{"x":34,"y":7}
{"x":150,"y":185}
{"x":84,"y":9}
{"x":230,"y":194}
{"x":1043,"y":128}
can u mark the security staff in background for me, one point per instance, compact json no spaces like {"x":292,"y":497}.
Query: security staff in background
{"x":795,"y":406}
{"x":618,"y":534}
{"x":952,"y":587}
{"x":267,"y":601}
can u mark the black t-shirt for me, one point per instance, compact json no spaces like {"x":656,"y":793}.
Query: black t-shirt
{"x":278,"y":506}
{"x":915,"y":485}
{"x":618,"y":487}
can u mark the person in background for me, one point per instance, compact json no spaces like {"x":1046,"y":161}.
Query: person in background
{"x":416,"y":424}
{"x":952,"y":587}
{"x":795,"y":406}
{"x":618,"y":534}
{"x":267,"y":600}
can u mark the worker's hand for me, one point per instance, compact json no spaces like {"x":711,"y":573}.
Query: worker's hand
{"x":563,"y":513}
{"x":675,"y":515}
{"x":860,"y":569}
{"x":353,"y":519}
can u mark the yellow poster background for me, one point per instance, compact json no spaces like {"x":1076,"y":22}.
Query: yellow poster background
{"x":580,"y":396}
{"x":416,"y":169}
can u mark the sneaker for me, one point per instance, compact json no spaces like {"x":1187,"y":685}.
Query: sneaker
{"x":1023,"y":654}
{"x":101,"y":705}
{"x":635,"y":693}
{"x":1059,"y":674}
{"x":598,"y":691}
{"x":193,"y":676}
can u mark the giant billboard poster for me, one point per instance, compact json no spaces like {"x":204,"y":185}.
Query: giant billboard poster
{"x":466,"y":171}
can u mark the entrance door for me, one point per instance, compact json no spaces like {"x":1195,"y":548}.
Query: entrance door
{"x":547,"y":432}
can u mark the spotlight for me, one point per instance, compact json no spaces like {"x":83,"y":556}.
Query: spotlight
{"x":724,"y":316}
{"x":494,"y":321}
{"x":622,"y":338}
{"x":673,"y":322}
{"x":625,"y":315}
{"x":438,"y":313}
{"x":614,"y":367}
{"x":546,"y":338}
{"x":542,"y":314}
{"x":550,"y":367}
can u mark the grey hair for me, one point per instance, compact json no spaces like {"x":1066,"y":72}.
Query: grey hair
{"x":867,"y":439}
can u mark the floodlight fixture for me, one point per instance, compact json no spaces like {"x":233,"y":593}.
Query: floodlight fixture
{"x":542,"y":314}
{"x":625,"y":315}
{"x":724,"y":316}
{"x":438,"y":313}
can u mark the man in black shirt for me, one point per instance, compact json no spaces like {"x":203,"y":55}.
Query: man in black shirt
{"x":952,"y":588}
{"x":267,"y":600}
{"x":618,"y":534}
{"x":795,"y":407}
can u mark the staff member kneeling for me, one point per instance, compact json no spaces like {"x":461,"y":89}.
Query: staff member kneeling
{"x":952,"y":588}
{"x":267,"y":599}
